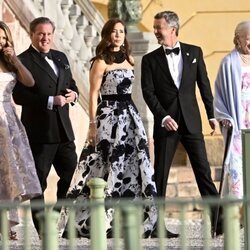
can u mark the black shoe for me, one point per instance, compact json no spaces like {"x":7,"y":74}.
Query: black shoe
{"x":218,"y":232}
{"x":217,"y":226}
{"x":219,"y":229}
{"x":168,"y":234}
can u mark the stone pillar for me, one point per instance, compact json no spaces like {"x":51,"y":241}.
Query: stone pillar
{"x":128,"y":10}
{"x":142,"y":43}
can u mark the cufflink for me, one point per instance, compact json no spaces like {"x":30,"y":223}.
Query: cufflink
{"x":50,"y":106}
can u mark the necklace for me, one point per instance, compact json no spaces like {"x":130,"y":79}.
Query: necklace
{"x":119,"y":56}
{"x":245,"y":58}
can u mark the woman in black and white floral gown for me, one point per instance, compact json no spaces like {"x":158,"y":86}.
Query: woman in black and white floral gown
{"x":116,"y":129}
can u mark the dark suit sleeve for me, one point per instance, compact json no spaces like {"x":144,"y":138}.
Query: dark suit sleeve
{"x":148,"y":89}
{"x":204,"y":86}
{"x":27,"y":96}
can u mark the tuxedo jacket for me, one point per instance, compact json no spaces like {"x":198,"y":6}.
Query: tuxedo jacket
{"x":44,"y":125}
{"x":164,"y":98}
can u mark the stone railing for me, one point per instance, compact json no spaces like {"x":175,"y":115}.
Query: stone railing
{"x":78,"y":26}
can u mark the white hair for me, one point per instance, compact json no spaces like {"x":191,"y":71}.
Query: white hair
{"x":240,"y":29}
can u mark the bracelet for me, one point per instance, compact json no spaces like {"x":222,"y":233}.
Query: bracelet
{"x":92,"y":121}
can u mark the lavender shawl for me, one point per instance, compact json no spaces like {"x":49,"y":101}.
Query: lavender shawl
{"x":227,"y":97}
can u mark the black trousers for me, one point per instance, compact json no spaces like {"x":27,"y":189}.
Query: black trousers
{"x":64,"y":159}
{"x":194,"y":144}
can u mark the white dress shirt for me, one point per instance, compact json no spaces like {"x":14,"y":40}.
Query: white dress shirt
{"x":175,"y":64}
{"x":55,"y":69}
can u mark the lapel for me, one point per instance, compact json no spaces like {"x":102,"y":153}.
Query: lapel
{"x":61,"y":70}
{"x":162,"y":62}
{"x":187,"y":57}
{"x":43,"y":64}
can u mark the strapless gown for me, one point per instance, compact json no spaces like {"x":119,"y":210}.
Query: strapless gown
{"x":121,"y":157}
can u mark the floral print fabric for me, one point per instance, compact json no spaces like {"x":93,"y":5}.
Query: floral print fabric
{"x":121,"y":157}
{"x":235,"y":166}
{"x":18,"y":178}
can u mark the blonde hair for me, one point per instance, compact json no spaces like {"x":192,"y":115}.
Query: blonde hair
{"x":240,"y":29}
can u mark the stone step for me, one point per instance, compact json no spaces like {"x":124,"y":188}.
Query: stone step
{"x":182,"y":183}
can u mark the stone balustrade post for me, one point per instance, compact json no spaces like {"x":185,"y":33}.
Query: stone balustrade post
{"x":84,"y":52}
{"x":49,"y":233}
{"x":232,"y":227}
{"x":97,"y":221}
{"x":4,"y":229}
{"x":75,"y":12}
{"x":131,"y":227}
{"x":49,"y":10}
{"x":60,"y":22}
{"x":67,"y":30}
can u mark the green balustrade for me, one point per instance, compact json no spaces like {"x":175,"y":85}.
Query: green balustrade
{"x":49,"y":233}
{"x":97,"y":220}
{"x":131,"y":227}
{"x":4,"y":230}
{"x":231,"y":227}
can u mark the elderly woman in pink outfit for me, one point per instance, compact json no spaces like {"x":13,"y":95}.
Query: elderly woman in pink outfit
{"x":232,"y":105}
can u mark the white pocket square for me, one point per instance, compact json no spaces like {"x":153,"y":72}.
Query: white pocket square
{"x":194,"y":60}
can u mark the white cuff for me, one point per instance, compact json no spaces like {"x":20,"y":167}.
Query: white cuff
{"x":164,"y":119}
{"x":50,"y":102}
{"x":76,"y":97}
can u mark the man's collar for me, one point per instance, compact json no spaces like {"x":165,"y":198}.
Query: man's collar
{"x":37,"y":49}
{"x":177,"y":45}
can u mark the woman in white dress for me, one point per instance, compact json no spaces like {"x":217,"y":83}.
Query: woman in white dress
{"x":18,"y":178}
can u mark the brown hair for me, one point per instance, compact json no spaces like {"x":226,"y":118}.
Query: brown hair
{"x":40,"y":20}
{"x":104,"y":48}
{"x":9,"y":39}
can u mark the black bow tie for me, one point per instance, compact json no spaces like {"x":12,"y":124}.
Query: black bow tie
{"x":48,"y":54}
{"x":175,"y":50}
